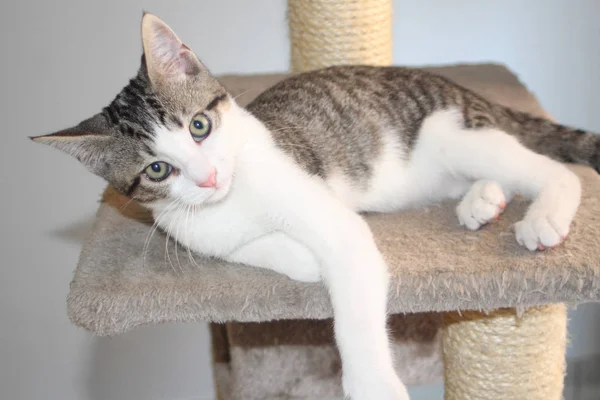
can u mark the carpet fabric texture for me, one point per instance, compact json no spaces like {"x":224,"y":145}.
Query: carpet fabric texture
{"x":272,"y":336}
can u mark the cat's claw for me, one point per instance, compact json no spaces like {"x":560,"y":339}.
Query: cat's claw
{"x":540,"y":233}
{"x":483,"y":203}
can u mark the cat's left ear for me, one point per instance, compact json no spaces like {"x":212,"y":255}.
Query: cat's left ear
{"x":88,"y":142}
{"x":167,"y":58}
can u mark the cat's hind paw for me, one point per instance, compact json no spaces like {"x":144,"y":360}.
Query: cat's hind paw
{"x":484,"y":202}
{"x":540,"y":233}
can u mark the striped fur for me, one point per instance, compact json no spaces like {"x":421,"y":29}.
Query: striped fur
{"x":333,"y":118}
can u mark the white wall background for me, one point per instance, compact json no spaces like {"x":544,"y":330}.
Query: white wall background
{"x":63,"y":60}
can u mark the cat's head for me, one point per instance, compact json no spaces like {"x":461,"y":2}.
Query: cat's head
{"x":170,"y":135}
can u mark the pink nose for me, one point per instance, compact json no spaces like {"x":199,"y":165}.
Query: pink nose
{"x":211,"y":181}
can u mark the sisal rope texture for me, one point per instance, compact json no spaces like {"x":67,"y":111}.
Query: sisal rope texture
{"x":339,"y":32}
{"x":503,"y":356}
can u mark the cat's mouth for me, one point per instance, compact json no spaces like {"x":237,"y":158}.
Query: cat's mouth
{"x":221,"y":189}
{"x":223,"y":183}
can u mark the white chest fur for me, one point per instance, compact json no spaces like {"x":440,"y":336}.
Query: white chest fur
{"x":215,"y":230}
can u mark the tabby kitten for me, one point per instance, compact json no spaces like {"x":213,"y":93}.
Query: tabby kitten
{"x":279,"y":185}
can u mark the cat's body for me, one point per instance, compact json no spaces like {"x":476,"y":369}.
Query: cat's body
{"x":418,"y":145}
{"x":279,"y":185}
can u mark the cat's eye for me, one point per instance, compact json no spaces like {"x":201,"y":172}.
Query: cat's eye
{"x":158,"y":171}
{"x":200,"y":127}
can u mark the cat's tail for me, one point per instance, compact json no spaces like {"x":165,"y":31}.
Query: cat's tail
{"x":554,"y":140}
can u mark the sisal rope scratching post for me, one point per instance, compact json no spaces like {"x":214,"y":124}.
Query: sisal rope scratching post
{"x":335,"y":32}
{"x":503,"y":356}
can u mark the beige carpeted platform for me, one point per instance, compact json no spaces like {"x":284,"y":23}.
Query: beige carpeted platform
{"x":436,"y":264}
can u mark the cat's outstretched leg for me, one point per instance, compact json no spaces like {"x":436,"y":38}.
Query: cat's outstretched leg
{"x":492,"y":154}
{"x":350,"y":264}
{"x":357,"y":278}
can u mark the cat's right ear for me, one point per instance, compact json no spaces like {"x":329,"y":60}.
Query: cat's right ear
{"x":167,"y":58}
{"x":88,"y":142}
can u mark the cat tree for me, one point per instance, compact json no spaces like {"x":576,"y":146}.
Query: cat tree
{"x":491,"y":312}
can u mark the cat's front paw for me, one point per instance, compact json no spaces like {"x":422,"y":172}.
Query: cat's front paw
{"x":540,"y":232}
{"x":483,"y":203}
{"x":382,"y":387}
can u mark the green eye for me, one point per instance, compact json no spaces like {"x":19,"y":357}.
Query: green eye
{"x":158,"y":171}
{"x":200,"y":127}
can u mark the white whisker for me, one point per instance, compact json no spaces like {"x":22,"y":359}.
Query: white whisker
{"x":167,"y":256}
{"x":190,"y":256}
{"x":177,"y":244}
{"x":243,"y":93}
{"x":125,"y":206}
{"x":153,"y":229}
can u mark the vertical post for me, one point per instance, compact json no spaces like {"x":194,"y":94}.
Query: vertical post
{"x":336,"y":32}
{"x":504,"y":356}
